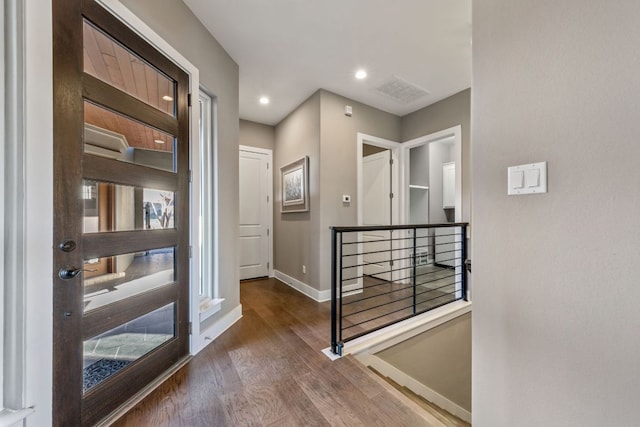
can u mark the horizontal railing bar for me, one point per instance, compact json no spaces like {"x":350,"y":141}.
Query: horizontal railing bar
{"x":444,"y":294}
{"x":400,"y":299}
{"x":396,"y":259}
{"x":397,"y":239}
{"x":376,"y":318}
{"x":385,"y":250}
{"x":362,"y":242}
{"x":382,"y":261}
{"x":430,"y":281}
{"x":397,"y":281}
{"x":393,"y":271}
{"x":384,"y":325}
{"x":398,"y":290}
{"x":348,"y":229}
{"x":397,"y":300}
{"x":395,"y":311}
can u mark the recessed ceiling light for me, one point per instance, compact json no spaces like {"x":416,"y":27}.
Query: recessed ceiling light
{"x":264,"y":100}
{"x":167,"y":98}
{"x":159,"y":141}
{"x":361,"y":74}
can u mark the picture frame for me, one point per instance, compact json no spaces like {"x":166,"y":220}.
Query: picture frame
{"x":294,"y":184}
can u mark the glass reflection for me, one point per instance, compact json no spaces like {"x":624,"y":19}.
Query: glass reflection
{"x":110,"y":279}
{"x":112,"y":135}
{"x":112,"y":351}
{"x":114,"y":207}
{"x":109,"y":61}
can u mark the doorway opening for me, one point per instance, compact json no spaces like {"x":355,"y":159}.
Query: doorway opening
{"x":378,"y":204}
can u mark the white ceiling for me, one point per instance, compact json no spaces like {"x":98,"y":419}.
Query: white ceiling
{"x":287,"y":49}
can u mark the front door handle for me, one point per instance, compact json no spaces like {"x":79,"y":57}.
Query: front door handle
{"x":66,"y":273}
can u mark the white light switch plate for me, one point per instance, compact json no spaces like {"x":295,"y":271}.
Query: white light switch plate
{"x":527,"y":179}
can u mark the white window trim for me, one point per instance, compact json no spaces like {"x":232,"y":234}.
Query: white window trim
{"x":12,"y":224}
{"x":2,"y":196}
{"x":209,"y":302}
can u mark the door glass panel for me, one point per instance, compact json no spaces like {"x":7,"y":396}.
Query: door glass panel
{"x":109,"y":61}
{"x":112,"y":351}
{"x":110,"y":279}
{"x":112,"y":135}
{"x":114,"y":207}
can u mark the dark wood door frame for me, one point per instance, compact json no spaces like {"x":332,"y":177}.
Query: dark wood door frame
{"x":71,"y":88}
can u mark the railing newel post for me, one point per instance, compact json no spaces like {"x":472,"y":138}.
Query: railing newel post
{"x":334,"y":340}
{"x":463,"y":284}
{"x":340,"y":293}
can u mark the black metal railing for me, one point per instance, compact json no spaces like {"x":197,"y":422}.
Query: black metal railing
{"x":381,"y":275}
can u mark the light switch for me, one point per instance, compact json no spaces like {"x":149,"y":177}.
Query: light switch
{"x":527,"y":179}
{"x":532,"y":177}
{"x":517,"y":179}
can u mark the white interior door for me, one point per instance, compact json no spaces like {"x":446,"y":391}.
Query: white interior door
{"x":255,"y":214}
{"x":376,"y":187}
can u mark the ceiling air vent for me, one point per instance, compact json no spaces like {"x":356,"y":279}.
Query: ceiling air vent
{"x":401,"y":90}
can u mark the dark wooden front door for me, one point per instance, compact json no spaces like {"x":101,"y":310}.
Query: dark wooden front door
{"x":121,"y":207}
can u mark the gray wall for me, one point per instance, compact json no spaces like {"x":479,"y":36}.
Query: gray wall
{"x":319,"y":129}
{"x":254,"y":134}
{"x":296,"y":234}
{"x":439,"y":358}
{"x":556,"y":275}
{"x":452,"y":111}
{"x":338,"y":159}
{"x":176,"y":24}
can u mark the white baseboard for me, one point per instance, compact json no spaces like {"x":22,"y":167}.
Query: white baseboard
{"x":301,"y":287}
{"x":311,"y":292}
{"x":415,"y":386}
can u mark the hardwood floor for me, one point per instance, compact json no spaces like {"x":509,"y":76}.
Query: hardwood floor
{"x":267,"y":370}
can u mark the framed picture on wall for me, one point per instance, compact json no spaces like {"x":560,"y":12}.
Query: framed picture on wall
{"x":294,"y":181}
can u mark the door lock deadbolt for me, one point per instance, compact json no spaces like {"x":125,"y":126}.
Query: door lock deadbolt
{"x":67,"y":245}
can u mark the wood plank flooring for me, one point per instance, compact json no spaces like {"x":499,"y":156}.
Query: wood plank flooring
{"x":267,"y":370}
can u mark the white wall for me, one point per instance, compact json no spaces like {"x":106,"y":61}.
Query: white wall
{"x":556,"y":276}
